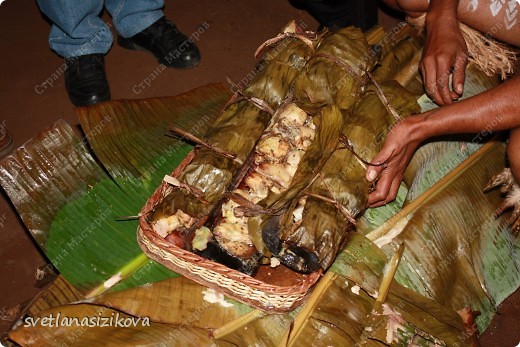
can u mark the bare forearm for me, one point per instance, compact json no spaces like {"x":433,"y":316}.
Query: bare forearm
{"x":442,"y":10}
{"x":494,"y":110}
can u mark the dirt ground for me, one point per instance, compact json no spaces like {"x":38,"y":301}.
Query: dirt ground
{"x":236,"y":28}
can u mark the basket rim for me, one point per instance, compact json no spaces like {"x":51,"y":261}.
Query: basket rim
{"x":276,"y":301}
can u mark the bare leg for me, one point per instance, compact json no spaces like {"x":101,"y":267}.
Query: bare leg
{"x":513,"y":153}
{"x":493,"y":18}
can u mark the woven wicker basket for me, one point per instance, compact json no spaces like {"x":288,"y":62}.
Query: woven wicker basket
{"x":235,"y":284}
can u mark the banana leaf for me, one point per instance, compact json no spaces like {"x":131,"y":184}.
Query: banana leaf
{"x":396,"y":60}
{"x":491,"y":253}
{"x":344,"y":316}
{"x":314,"y":241}
{"x":49,"y":180}
{"x":338,"y":313}
{"x":431,"y":163}
{"x":384,"y":42}
{"x":211,"y":173}
{"x":280,"y":65}
{"x":317,"y":237}
{"x":58,"y":292}
{"x":91,"y":325}
{"x":309,"y":238}
{"x":275,"y":236}
{"x":457,"y":253}
{"x":129,"y":137}
{"x":135,"y":162}
{"x":360,"y":262}
{"x":365,"y":130}
{"x":327,"y":138}
{"x":70,"y":204}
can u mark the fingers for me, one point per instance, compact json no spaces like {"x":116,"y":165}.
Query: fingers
{"x":379,"y":196}
{"x":394,"y":189}
{"x":436,"y":74}
{"x":443,"y":79}
{"x":388,"y":166}
{"x":459,"y":73}
{"x":384,"y":183}
{"x":377,"y":165}
{"x":436,"y":71}
{"x":386,"y":189}
{"x":428,"y":69}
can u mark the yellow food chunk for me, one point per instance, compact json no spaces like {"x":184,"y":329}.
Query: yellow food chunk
{"x":273,"y":148}
{"x":201,"y":238}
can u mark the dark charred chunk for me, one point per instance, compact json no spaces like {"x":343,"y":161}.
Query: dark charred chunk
{"x":299,"y":259}
{"x":218,"y":254}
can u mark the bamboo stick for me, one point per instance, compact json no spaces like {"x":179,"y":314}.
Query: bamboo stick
{"x":389,"y":274}
{"x":303,"y":317}
{"x":236,"y":324}
{"x":126,"y":271}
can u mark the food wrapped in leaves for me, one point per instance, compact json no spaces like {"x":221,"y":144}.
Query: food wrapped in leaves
{"x":314,"y":228}
{"x":286,"y":160}
{"x":395,"y":60}
{"x":336,"y":73}
{"x":240,"y":241}
{"x":270,"y":172}
{"x":287,"y":157}
{"x":210,"y":173}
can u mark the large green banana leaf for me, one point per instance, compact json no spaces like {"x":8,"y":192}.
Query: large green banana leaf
{"x":71,"y":204}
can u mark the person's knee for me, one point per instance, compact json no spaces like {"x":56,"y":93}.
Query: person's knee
{"x":515,"y":166}
{"x":411,"y":7}
{"x":513,"y":153}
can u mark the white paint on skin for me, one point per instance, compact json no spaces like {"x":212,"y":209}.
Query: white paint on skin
{"x":511,"y":12}
{"x":473,"y":5}
{"x":496,"y":6}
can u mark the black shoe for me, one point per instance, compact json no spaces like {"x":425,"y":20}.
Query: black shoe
{"x":85,"y":79}
{"x":171,"y":47}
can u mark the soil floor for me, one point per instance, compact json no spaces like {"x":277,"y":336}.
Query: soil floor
{"x":236,"y":29}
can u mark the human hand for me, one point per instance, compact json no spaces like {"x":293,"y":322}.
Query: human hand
{"x":388,"y":166}
{"x":444,"y":52}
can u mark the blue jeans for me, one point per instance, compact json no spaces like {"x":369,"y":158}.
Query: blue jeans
{"x":78,"y":30}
